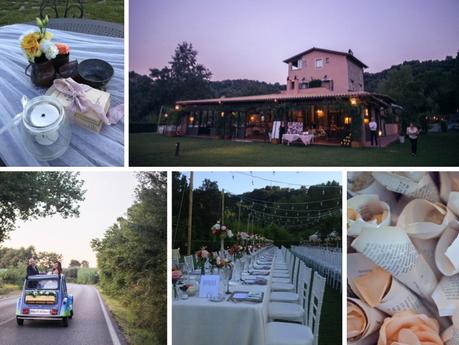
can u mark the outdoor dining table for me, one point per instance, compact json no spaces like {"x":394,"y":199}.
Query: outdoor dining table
{"x":306,"y":139}
{"x":198,"y":321}
{"x":86,"y":148}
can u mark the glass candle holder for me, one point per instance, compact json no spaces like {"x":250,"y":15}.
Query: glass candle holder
{"x":45,"y":128}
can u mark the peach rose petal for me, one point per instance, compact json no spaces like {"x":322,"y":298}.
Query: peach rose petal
{"x":356,"y":321}
{"x":373,"y":285}
{"x":408,"y":337}
{"x":408,"y":328}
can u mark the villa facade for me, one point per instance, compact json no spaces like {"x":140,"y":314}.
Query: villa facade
{"x":324,"y":94}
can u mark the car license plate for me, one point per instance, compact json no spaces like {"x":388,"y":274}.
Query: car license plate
{"x":40,"y":312}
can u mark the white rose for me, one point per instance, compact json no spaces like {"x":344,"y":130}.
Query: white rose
{"x":49,"y":49}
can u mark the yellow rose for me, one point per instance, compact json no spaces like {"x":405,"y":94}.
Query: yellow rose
{"x":408,"y":328}
{"x":31,"y":45}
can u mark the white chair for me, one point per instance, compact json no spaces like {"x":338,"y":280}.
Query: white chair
{"x":285,"y":311}
{"x":284,"y":333}
{"x":175,"y":262}
{"x":287,"y":286}
{"x":176,"y":253}
{"x":293,"y":297}
{"x":189,"y":262}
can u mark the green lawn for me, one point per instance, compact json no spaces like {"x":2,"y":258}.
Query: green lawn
{"x":18,"y":11}
{"x":150,"y":149}
{"x":126,"y":321}
{"x":331,"y":318}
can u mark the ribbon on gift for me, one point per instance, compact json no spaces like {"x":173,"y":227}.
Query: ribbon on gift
{"x":80,"y":103}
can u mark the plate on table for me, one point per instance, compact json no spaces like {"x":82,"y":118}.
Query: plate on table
{"x":246,"y":296}
{"x":217,"y":298}
{"x":259,"y":273}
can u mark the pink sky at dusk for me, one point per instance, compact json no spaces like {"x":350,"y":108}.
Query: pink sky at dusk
{"x":249,"y":39}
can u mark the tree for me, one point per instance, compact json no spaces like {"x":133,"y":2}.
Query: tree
{"x":10,"y":257}
{"x":46,"y":260}
{"x":132,"y":256}
{"x":85,"y":264}
{"x":30,"y":195}
{"x":74,"y":263}
{"x":184,"y":78}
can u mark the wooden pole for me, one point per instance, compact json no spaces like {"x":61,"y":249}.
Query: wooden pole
{"x":223,"y":207}
{"x":190,"y":213}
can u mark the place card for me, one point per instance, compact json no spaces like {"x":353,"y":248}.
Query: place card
{"x":209,"y":286}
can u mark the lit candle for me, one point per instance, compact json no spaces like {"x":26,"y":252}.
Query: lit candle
{"x":44,"y":115}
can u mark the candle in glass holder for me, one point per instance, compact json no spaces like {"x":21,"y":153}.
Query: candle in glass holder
{"x":44,"y":115}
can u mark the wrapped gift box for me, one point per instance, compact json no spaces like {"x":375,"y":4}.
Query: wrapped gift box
{"x":89,"y":119}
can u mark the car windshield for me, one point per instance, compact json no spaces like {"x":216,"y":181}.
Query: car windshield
{"x":42,"y":284}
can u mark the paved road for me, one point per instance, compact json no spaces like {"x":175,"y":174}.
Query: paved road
{"x":87,"y":327}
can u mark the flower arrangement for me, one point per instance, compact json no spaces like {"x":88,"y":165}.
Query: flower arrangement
{"x":37,"y":45}
{"x":176,"y":276}
{"x":236,"y":250}
{"x":222,"y":262}
{"x":202,"y":255}
{"x":221,"y":231}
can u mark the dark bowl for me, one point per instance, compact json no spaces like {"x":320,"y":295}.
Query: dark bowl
{"x":94,"y":72}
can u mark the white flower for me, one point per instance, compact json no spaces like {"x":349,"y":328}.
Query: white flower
{"x":223,"y":227}
{"x":49,"y":49}
{"x":229,"y":233}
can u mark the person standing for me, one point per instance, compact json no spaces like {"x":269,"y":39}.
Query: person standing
{"x":32,"y":269}
{"x":413,"y":132}
{"x":373,"y":132}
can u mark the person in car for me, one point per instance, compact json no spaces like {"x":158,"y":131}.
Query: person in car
{"x":57,"y":268}
{"x":32,"y":269}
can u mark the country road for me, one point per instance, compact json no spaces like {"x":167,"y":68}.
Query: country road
{"x":89,"y":325}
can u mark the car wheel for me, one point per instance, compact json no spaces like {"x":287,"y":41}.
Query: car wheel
{"x":65,"y":322}
{"x":20,"y":322}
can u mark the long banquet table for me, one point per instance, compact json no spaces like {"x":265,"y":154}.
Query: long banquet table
{"x":198,"y":321}
{"x":86,"y":148}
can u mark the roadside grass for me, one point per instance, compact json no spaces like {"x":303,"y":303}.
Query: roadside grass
{"x":12,"y":12}
{"x":126,"y":321}
{"x":331,"y":317}
{"x":151,"y":149}
{"x":8,"y":289}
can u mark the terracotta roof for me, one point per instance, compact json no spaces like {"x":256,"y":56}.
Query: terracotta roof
{"x":348,"y":55}
{"x":277,"y":96}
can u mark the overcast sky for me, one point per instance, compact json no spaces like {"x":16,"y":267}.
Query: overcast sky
{"x":108,"y":197}
{"x":250,"y":39}
{"x":240,"y":182}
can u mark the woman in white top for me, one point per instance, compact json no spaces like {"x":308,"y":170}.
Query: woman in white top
{"x":413,"y":132}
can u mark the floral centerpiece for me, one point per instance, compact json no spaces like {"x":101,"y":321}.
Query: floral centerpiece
{"x":176,"y":276}
{"x":236,"y":250}
{"x":202,"y":255}
{"x":221,"y":231}
{"x":44,"y":56}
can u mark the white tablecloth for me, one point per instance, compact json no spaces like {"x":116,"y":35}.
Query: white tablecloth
{"x":86,"y":148}
{"x":197,"y":321}
{"x":305,"y":138}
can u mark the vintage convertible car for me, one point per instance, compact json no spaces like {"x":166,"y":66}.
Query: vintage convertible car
{"x":44,"y":297}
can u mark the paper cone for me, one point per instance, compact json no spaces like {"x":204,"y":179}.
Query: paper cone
{"x":357,"y":203}
{"x":424,"y":219}
{"x":451,"y":335}
{"x":416,"y":185}
{"x":359,"y":183}
{"x":449,"y":182}
{"x":453,"y":202}
{"x":447,"y":251}
{"x":446,"y":295}
{"x":372,"y":319}
{"x":396,"y":298}
{"x":391,"y":248}
{"x":427,"y":249}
